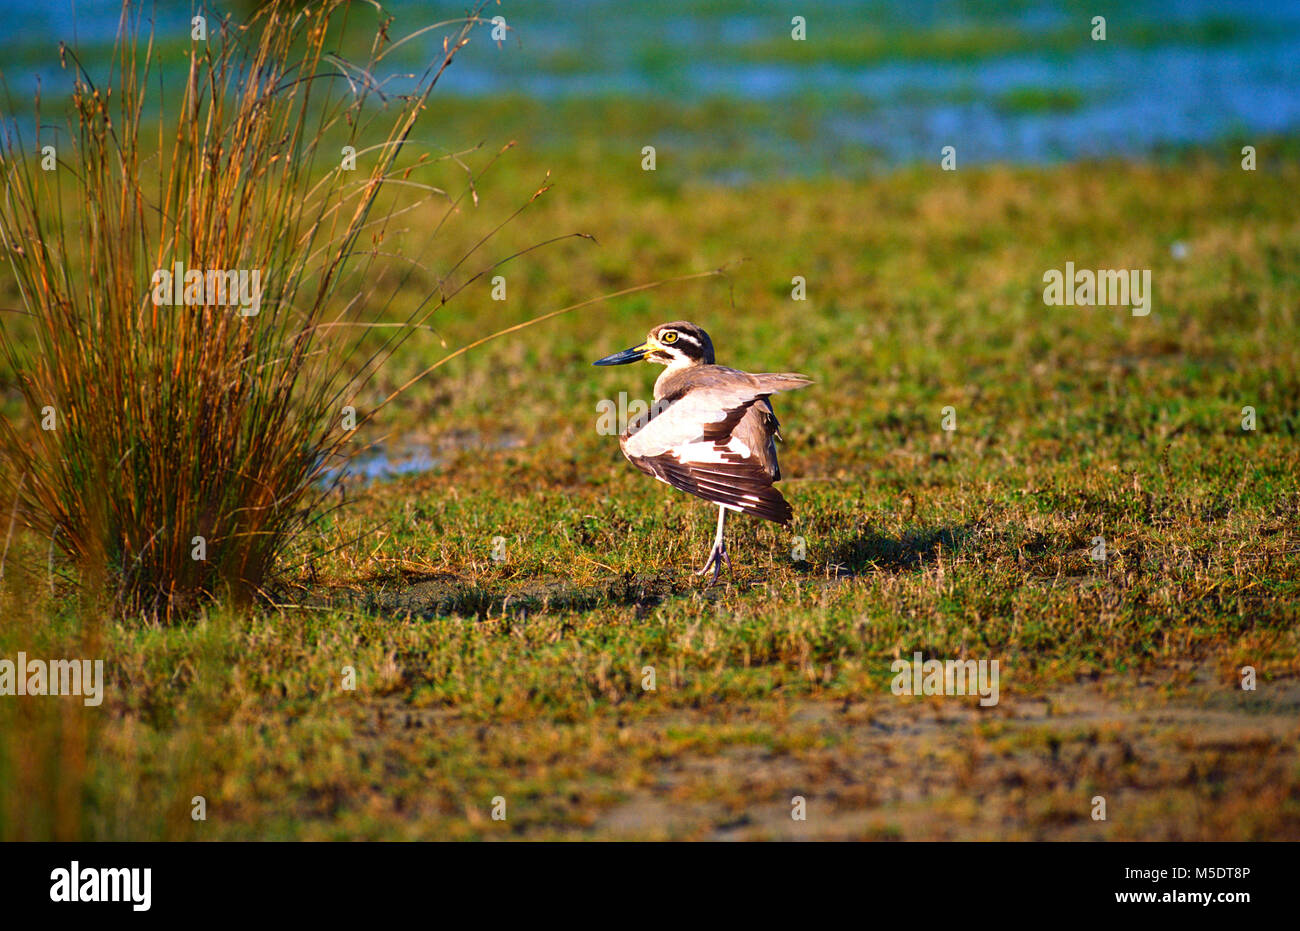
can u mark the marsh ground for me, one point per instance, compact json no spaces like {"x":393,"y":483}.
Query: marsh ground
{"x":521,"y":677}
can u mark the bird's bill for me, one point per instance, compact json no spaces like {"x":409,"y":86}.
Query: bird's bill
{"x":635,"y":354}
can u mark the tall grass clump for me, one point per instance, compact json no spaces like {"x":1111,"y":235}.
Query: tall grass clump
{"x":174,"y":452}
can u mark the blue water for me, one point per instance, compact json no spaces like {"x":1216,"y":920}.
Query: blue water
{"x":380,"y":464}
{"x":1237,"y":81}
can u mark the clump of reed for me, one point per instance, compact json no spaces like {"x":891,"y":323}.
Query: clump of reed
{"x":174,"y":450}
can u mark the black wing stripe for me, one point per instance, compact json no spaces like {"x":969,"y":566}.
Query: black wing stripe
{"x":720,"y":432}
{"x":743,"y":485}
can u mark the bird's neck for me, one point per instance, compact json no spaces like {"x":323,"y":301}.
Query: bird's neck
{"x":670,"y":370}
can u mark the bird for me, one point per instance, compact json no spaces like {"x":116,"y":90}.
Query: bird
{"x":711,"y":430}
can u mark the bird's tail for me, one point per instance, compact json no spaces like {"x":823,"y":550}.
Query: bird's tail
{"x":772,"y":382}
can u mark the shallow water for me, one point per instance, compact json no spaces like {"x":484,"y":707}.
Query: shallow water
{"x":380,"y":462}
{"x":1003,"y":81}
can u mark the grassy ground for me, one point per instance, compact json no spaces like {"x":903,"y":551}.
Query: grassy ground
{"x":522,"y":677}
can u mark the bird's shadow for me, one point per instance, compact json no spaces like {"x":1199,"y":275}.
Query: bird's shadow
{"x":444,"y":593}
{"x":913,"y":550}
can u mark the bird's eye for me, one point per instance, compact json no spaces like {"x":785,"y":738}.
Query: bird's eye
{"x":669,"y":336}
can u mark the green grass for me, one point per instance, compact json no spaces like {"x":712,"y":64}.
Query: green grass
{"x":849,"y":43}
{"x":1040,"y":100}
{"x":522,"y":678}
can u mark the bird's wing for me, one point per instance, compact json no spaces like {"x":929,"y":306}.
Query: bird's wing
{"x":759,"y":431}
{"x":738,"y":486}
{"x":706,"y":407}
{"x":691,"y":442}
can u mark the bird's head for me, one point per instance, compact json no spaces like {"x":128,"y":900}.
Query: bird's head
{"x":677,"y":345}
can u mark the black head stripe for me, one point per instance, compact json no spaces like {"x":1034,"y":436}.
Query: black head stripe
{"x":694,"y":342}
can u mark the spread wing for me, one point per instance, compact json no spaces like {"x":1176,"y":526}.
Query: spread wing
{"x":690,"y":441}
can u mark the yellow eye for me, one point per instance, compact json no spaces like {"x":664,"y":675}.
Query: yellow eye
{"x":668,"y":336}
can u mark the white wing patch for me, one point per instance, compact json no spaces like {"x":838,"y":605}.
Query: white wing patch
{"x":704,"y":452}
{"x":680,"y":423}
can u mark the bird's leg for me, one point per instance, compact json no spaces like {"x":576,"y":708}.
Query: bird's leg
{"x":721,"y":542}
{"x":718,"y":554}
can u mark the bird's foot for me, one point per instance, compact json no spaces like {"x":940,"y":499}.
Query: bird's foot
{"x":717,"y":556}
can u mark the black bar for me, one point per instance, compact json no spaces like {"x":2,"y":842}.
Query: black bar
{"x":657,"y":882}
